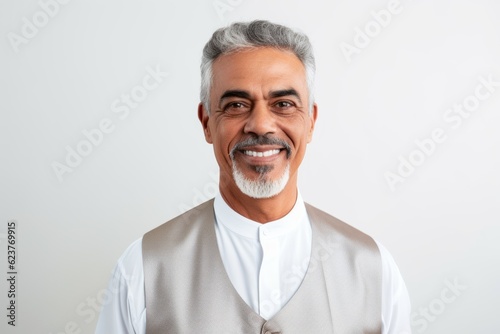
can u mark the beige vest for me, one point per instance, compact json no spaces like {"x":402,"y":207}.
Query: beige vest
{"x":188,"y":290}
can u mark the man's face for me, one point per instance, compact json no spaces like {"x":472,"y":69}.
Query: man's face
{"x":259,"y":121}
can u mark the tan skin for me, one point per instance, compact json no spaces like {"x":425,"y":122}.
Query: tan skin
{"x":258,"y":92}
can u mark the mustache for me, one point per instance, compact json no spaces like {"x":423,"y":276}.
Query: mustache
{"x":260,"y":140}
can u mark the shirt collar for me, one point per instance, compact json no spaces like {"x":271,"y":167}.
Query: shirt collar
{"x":241,"y":225}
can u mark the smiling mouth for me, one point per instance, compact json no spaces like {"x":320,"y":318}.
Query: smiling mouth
{"x":260,"y":159}
{"x":261,"y":147}
{"x":261,"y":154}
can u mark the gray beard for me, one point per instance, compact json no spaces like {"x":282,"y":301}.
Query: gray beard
{"x":262,"y":187}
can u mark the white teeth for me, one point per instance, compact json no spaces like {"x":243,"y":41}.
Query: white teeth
{"x":261,"y":154}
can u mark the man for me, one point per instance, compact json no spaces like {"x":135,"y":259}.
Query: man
{"x":256,"y":259}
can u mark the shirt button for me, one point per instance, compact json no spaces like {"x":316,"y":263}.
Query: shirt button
{"x":265,"y":232}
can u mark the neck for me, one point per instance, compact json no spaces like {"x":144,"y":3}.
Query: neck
{"x":262,"y":210}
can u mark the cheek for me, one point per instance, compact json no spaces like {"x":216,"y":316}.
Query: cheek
{"x":298,"y":133}
{"x":223,"y":135}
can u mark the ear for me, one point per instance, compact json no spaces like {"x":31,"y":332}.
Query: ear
{"x":312,"y":117}
{"x":204,"y":117}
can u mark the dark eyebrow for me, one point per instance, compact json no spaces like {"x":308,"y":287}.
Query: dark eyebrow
{"x":245,"y":95}
{"x":235,"y":93}
{"x":284,"y":92}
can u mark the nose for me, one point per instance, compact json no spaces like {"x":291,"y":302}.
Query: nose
{"x":261,"y":120}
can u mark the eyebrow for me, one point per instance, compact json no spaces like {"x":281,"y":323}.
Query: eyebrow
{"x":285,"y":92}
{"x":235,"y":93}
{"x":273,"y":94}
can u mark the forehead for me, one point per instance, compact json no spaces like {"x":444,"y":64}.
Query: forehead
{"x":258,"y":68}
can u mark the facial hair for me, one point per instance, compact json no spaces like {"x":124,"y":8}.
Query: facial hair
{"x":262,"y":187}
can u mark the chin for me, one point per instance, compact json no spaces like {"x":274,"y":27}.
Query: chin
{"x":263,"y":186}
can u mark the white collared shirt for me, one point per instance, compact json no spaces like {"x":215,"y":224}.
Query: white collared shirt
{"x":265,"y":263}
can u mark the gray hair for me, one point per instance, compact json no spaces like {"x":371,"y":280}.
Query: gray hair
{"x":255,"y":34}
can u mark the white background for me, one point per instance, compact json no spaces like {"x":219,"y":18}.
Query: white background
{"x":441,"y":224}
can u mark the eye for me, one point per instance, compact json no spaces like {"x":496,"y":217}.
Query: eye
{"x":284,"y":107}
{"x":284,"y":104}
{"x":236,"y":105}
{"x":236,"y":108}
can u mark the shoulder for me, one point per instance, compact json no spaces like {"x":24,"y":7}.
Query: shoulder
{"x":183,"y":221}
{"x":387,"y":260}
{"x":334,"y":229}
{"x":392,"y":278}
{"x":179,"y":233}
{"x":396,"y":305}
{"x":124,"y":310}
{"x":128,"y":269}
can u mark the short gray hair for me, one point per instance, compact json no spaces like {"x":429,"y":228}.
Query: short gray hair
{"x":255,"y":34}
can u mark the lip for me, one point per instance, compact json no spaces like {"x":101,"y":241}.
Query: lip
{"x":259,"y":155}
